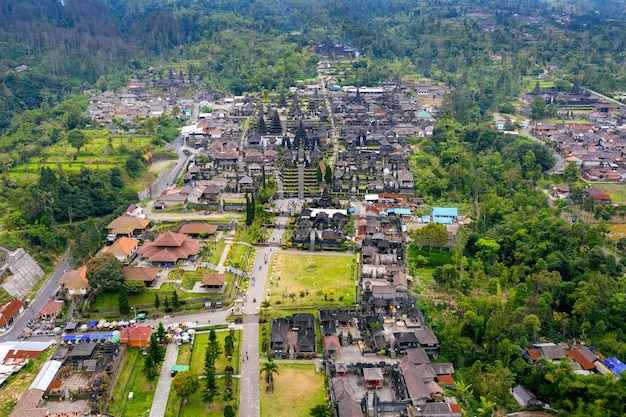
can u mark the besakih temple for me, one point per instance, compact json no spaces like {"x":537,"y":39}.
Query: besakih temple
{"x":576,"y":96}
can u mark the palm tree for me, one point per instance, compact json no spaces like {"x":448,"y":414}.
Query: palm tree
{"x":269,"y":369}
{"x":487,"y":407}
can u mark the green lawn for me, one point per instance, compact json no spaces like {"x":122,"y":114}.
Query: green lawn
{"x":241,"y":256}
{"x":297,"y":389}
{"x":194,"y":406}
{"x":110,"y":299}
{"x":190,"y":278}
{"x":616,"y":191}
{"x":98,"y":153}
{"x":329,"y":279}
{"x":132,"y":380}
{"x":218,"y":250}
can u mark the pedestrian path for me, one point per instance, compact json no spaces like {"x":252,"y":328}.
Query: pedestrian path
{"x":227,"y":239}
{"x":162,"y":392}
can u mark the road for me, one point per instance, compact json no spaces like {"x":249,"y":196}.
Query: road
{"x":559,"y":164}
{"x":48,"y":289}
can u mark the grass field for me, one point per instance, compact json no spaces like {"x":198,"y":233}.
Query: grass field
{"x":110,"y":300}
{"x":328,"y":279}
{"x":194,"y":406}
{"x":297,"y":389}
{"x":616,"y":191}
{"x":132,"y":380}
{"x":103,"y":151}
{"x":218,"y":250}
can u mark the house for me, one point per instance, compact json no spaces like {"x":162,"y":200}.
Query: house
{"x":331,"y":345}
{"x":278,"y":337}
{"x":306,"y":343}
{"x":445,"y":215}
{"x":418,"y":394}
{"x":214,"y":282}
{"x":440,"y":409}
{"x":75,"y":282}
{"x":124,"y":249}
{"x":168,"y":248}
{"x":127,"y":226}
{"x":524,"y":397}
{"x":9,"y":312}
{"x":138,"y":336}
{"x":198,"y":229}
{"x":373,"y":377}
{"x":146,"y":275}
{"x":82,"y":352}
{"x":51,"y":310}
{"x":428,"y":340}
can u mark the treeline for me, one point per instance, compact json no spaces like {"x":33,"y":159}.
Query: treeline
{"x":519,"y":274}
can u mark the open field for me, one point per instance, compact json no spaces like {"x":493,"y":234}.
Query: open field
{"x":110,"y":300}
{"x":616,"y":191}
{"x":297,"y":389}
{"x":194,"y":406}
{"x":218,"y":249}
{"x":102,"y":151}
{"x":328,"y":279}
{"x":132,"y":380}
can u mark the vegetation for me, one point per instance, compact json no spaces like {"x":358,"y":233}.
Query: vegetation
{"x":295,"y":381}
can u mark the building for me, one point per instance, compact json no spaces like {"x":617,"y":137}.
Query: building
{"x":169,"y":248}
{"x":75,"y":282}
{"x":9,"y":312}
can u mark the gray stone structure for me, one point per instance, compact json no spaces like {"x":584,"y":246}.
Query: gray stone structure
{"x":19,"y":271}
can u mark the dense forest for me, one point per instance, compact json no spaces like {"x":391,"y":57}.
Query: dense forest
{"x":254,"y":45}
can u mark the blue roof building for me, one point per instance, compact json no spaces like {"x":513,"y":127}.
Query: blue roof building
{"x":445,"y":215}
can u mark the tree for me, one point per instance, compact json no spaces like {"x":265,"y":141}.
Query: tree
{"x":229,"y":346}
{"x":134,"y":287}
{"x":538,"y":108}
{"x":212,"y":352}
{"x":166,"y":304}
{"x":175,"y":300}
{"x":150,"y":370}
{"x":321,"y":410}
{"x":570,"y":173}
{"x":123,"y":303}
{"x":532,"y":324}
{"x":185,"y":384}
{"x":155,"y":350}
{"x":229,"y":411}
{"x":318,"y":175}
{"x":161,"y":335}
{"x":157,"y":301}
{"x":104,"y":272}
{"x":77,"y":139}
{"x":269,"y":369}
{"x":328,"y":175}
{"x":433,"y":234}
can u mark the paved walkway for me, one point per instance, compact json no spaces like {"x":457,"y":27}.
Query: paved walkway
{"x":249,"y":402}
{"x":162,"y":392}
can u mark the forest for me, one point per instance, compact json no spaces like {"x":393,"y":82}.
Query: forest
{"x":522,"y":272}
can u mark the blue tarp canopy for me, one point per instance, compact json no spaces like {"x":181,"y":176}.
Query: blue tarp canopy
{"x":92,"y":323}
{"x":86,"y":337}
{"x":615,"y":365}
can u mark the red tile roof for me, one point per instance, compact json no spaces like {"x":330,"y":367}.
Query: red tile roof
{"x":445,"y":379}
{"x":51,"y":308}
{"x":9,"y":311}
{"x":578,"y":357}
{"x":169,"y":247}
{"x":140,"y":273}
{"x":199,"y":228}
{"x":214,"y":279}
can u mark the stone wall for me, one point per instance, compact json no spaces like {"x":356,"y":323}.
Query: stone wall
{"x":20,"y":272}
